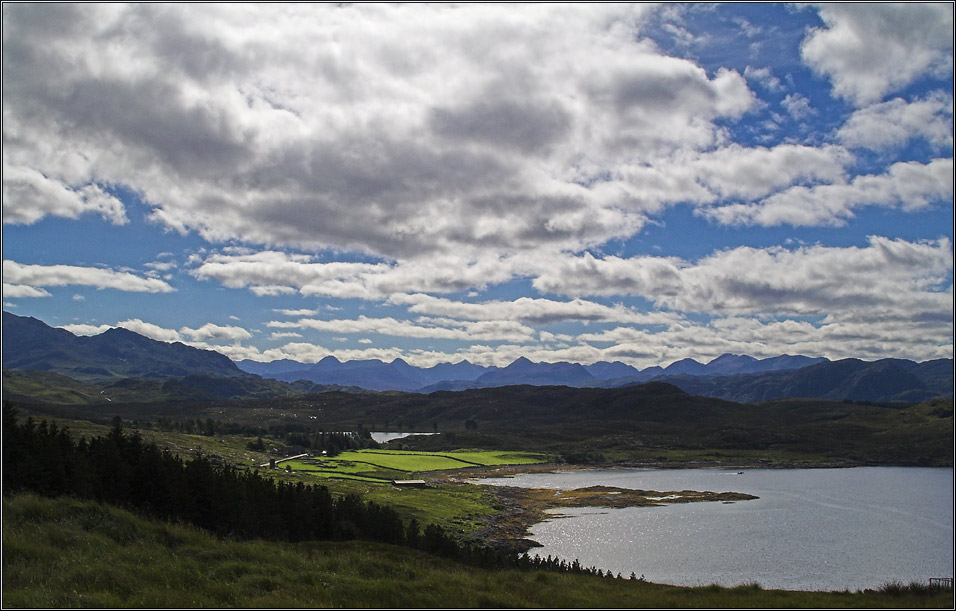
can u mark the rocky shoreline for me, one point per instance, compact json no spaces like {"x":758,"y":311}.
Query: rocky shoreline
{"x":521,"y":508}
{"x":469,"y":473}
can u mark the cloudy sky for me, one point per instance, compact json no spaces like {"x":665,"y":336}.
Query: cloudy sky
{"x":580,"y":182}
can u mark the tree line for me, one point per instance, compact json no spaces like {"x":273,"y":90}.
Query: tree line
{"x":332,"y":443}
{"x":122,"y":469}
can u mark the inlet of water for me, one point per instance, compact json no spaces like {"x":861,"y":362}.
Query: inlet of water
{"x":811,"y":529}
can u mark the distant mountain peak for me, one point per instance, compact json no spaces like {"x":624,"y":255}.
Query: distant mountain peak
{"x":732,"y":357}
{"x":604,"y":370}
{"x":117,"y":331}
{"x":519,"y":363}
{"x":524,"y":371}
{"x":687,"y":366}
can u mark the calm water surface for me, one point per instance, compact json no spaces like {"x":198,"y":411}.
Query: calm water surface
{"x":383,"y":436}
{"x":811,"y":529}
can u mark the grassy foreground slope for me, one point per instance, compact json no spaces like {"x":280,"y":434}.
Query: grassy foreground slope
{"x":64,"y":553}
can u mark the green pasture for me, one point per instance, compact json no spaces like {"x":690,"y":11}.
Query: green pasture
{"x":387,"y":465}
{"x":462,"y":508}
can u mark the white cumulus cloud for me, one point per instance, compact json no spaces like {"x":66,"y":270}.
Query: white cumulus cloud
{"x":454,"y":129}
{"x":896,"y":122}
{"x":907,"y":185}
{"x":212,"y":332}
{"x":871,"y":49}
{"x":893,"y":277}
{"x":67,"y":275}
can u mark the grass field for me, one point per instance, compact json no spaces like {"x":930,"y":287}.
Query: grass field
{"x":388,"y":465}
{"x":462,"y":508}
{"x":64,"y":553}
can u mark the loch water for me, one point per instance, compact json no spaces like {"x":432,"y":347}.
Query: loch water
{"x":384,"y":436}
{"x":811,"y":529}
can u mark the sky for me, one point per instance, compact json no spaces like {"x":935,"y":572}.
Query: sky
{"x":436,"y":182}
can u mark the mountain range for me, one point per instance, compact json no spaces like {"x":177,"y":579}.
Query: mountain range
{"x":31,"y":345}
{"x":398,"y":375}
{"x":733,"y":377}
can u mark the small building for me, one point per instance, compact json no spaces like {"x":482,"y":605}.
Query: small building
{"x":409,"y":483}
{"x":273,"y":462}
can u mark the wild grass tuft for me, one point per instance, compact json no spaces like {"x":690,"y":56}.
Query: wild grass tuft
{"x":913,"y":588}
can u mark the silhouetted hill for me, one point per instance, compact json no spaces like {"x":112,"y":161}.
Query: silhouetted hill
{"x":30,"y":344}
{"x":936,"y":374}
{"x":456,"y":371}
{"x":685,"y":366}
{"x":604,"y":370}
{"x":786,"y":361}
{"x":731,"y":363}
{"x":523,"y":371}
{"x":850,"y":379}
{"x":270,"y":368}
{"x":370,"y":374}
